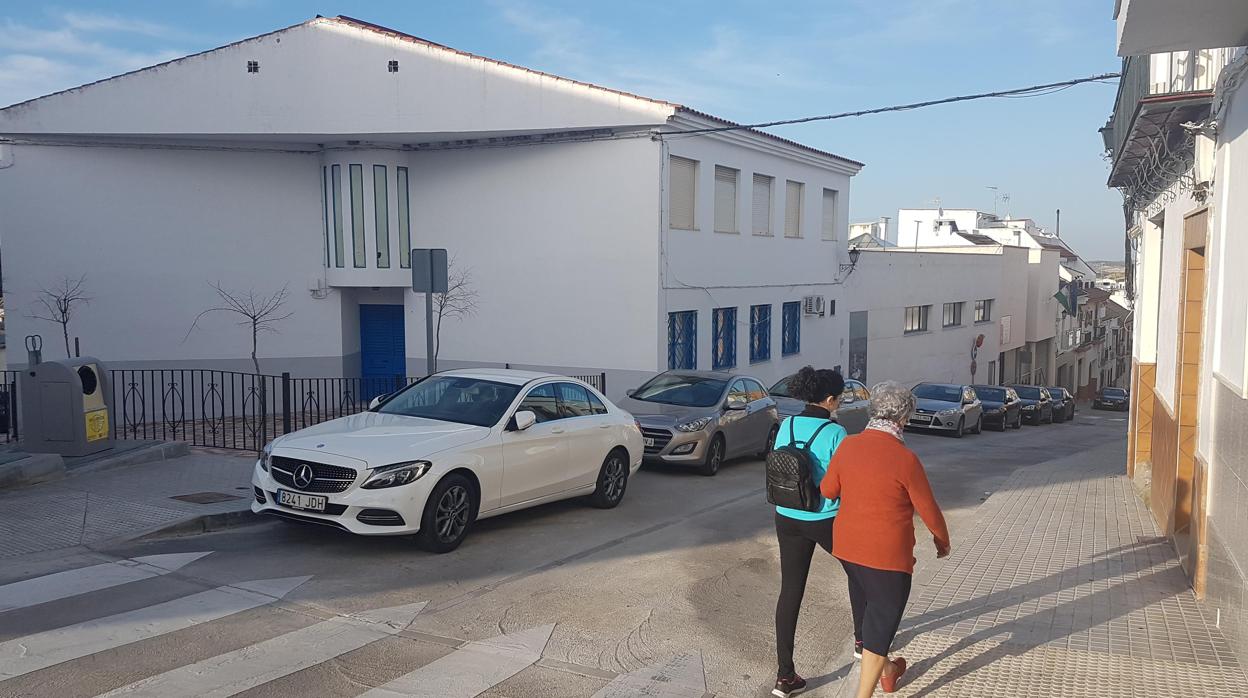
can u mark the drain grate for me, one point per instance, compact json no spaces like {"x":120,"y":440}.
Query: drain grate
{"x":205,"y":497}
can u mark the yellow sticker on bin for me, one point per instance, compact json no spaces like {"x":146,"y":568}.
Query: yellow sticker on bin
{"x":97,"y":425}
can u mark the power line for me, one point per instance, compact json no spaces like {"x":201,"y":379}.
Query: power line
{"x":1033,"y":91}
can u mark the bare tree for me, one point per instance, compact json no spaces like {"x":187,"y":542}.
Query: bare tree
{"x":59,"y":304}
{"x":459,"y":302}
{"x":258,"y":313}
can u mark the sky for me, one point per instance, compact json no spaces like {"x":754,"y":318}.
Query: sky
{"x":746,"y":61}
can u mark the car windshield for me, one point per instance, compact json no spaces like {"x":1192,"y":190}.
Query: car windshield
{"x":1028,"y":392}
{"x":454,"y":399}
{"x":1057,"y":394}
{"x":682,"y":390}
{"x":780,"y":389}
{"x":990,"y":394}
{"x":931,"y":391}
{"x":1115,"y":392}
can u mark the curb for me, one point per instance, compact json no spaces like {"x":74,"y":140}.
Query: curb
{"x":205,"y":523}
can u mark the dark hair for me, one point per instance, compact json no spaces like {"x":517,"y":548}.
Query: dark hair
{"x":816,"y":385}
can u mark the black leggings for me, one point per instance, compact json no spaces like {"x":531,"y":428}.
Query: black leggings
{"x":878,"y":600}
{"x":797,"y":545}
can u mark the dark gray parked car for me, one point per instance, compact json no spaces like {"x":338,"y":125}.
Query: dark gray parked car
{"x":1063,"y":404}
{"x":702,"y":418}
{"x":852,"y":414}
{"x":1002,"y":408}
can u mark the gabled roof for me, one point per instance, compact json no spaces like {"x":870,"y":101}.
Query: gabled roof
{"x":361,"y":25}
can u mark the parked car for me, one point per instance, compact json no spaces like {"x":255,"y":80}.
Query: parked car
{"x":458,"y":446}
{"x":702,"y":418}
{"x":1063,"y":404}
{"x":1002,"y":408}
{"x":1037,"y":404}
{"x":1112,"y":399}
{"x":852,"y":413}
{"x":947,"y":407}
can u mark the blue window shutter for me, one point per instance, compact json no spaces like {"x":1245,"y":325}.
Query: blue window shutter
{"x":682,"y":340}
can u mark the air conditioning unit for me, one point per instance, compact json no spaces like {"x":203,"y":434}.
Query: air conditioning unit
{"x":813,"y":305}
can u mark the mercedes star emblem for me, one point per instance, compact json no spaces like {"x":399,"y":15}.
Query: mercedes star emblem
{"x":303,"y":476}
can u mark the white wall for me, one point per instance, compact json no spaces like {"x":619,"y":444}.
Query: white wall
{"x":1147,"y":288}
{"x":704,"y":269}
{"x":889,"y":281}
{"x":150,"y":228}
{"x":562,"y":243}
{"x":1226,"y":313}
{"x":1041,"y":285}
{"x":325,"y":77}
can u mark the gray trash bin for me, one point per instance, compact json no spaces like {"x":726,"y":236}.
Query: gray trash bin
{"x":66,"y":407}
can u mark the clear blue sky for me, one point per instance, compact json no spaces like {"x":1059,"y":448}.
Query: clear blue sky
{"x":746,"y":61}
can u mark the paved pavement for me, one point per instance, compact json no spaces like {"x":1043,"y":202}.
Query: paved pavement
{"x":671,"y":594}
{"x":93,"y":509}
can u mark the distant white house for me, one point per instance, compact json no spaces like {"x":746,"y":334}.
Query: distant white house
{"x":313,"y":158}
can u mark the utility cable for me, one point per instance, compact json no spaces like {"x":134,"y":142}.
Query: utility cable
{"x":1033,"y":91}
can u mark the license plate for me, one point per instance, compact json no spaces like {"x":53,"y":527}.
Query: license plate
{"x":649,"y":442}
{"x":308,"y":502}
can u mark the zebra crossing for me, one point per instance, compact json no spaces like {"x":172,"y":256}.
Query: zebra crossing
{"x":466,"y":671}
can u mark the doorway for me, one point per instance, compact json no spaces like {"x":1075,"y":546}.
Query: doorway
{"x":1189,"y":494}
{"x":383,"y":354}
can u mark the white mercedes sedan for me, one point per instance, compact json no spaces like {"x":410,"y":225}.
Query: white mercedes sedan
{"x":458,"y":446}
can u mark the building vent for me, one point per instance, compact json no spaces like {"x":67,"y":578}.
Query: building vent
{"x":813,"y":305}
{"x":253,"y":66}
{"x":392,"y":66}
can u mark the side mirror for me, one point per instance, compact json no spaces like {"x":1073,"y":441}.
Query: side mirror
{"x":523,"y":420}
{"x":376,"y":402}
{"x":736,"y":402}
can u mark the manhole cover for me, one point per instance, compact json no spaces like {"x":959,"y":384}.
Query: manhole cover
{"x":205,"y":497}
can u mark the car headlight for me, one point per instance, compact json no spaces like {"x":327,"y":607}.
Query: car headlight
{"x":948,"y":413}
{"x":694,"y":425}
{"x":266,"y":456}
{"x":1028,"y":408}
{"x":396,"y":474}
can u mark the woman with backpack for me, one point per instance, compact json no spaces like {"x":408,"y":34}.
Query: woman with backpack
{"x":801,"y":453}
{"x":883,"y":485}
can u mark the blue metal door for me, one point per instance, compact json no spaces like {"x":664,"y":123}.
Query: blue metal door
{"x":382,"y":347}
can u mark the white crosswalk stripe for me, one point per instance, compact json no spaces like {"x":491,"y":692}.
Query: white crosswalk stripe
{"x":61,"y":585}
{"x":471,"y":669}
{"x":33,"y":652}
{"x":237,"y":671}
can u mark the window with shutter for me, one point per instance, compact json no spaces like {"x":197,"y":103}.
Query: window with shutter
{"x":762,"y":205}
{"x":793,"y":209}
{"x":683,"y":177}
{"x":829,"y":214}
{"x":725,"y":200}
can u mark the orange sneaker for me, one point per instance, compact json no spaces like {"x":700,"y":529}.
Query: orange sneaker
{"x":889,"y":683}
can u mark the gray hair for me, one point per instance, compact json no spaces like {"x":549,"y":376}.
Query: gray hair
{"x":892,"y":401}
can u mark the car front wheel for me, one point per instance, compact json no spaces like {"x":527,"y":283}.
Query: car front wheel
{"x":612,"y":481}
{"x":961,"y":428}
{"x":449,"y":513}
{"x":979,"y":425}
{"x":714,"y":457}
{"x":771,"y":441}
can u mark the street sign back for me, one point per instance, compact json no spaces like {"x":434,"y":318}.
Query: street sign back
{"x":429,"y":273}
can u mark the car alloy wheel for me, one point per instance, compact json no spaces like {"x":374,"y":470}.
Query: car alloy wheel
{"x":449,"y":513}
{"x":771,"y":441}
{"x":979,"y":425}
{"x":612,"y":481}
{"x":961,"y":428}
{"x":714,"y":456}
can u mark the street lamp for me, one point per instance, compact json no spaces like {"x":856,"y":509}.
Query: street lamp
{"x":854,"y":254}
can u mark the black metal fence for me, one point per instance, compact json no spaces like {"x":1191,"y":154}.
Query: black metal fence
{"x":224,"y":409}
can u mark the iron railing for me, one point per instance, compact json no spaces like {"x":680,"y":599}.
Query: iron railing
{"x":224,"y":409}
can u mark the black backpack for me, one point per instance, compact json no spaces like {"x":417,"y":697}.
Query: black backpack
{"x":791,"y":474}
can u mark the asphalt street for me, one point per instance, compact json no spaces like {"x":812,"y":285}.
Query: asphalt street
{"x":670,"y":594}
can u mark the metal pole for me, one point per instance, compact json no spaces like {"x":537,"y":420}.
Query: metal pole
{"x":430,"y":365}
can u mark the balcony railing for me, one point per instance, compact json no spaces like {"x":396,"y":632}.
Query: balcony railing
{"x":1160,"y":76}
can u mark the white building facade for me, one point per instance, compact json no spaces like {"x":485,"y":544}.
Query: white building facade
{"x":313,"y":158}
{"x":1178,"y":139}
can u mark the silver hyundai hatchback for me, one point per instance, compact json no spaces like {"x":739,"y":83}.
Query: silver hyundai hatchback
{"x":702,"y":418}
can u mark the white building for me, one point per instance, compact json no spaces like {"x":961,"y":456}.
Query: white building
{"x":912,"y":331}
{"x":1178,"y":139}
{"x":314,"y":157}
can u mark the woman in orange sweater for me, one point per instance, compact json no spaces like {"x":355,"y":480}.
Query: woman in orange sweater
{"x":881,"y":484}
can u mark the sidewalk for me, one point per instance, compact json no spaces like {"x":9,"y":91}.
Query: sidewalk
{"x":113,"y":505}
{"x":1063,"y":588}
